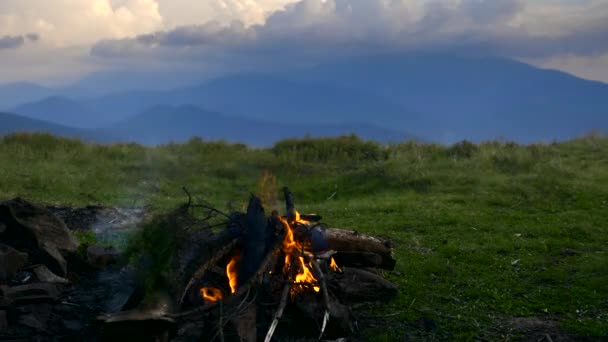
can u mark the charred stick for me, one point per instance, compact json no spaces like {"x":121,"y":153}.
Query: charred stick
{"x":323,"y":285}
{"x":203,"y":268}
{"x":210,"y":208}
{"x":279,"y":313}
{"x":289,"y":205}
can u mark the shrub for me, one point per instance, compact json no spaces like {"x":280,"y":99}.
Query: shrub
{"x":464,"y":149}
{"x":343,"y":149}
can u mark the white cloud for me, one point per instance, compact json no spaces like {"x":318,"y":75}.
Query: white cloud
{"x":73,"y":22}
{"x":188,"y":12}
{"x":589,"y":67}
{"x":559,"y":33}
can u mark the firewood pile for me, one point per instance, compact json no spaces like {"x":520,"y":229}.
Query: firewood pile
{"x":254,"y":276}
{"x":268,"y":277}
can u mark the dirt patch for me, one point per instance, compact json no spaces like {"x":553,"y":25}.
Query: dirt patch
{"x":539,"y":329}
{"x":98,"y":218}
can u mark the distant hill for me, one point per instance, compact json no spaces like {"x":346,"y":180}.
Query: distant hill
{"x":476,"y":98}
{"x":164,"y":124}
{"x":12,"y":123}
{"x":269,"y":98}
{"x":63,"y":111}
{"x":12,"y":94}
{"x":437,"y":97}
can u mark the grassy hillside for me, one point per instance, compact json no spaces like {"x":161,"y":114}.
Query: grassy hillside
{"x":494,"y":241}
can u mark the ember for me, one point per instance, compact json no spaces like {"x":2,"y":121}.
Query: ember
{"x":211,"y":294}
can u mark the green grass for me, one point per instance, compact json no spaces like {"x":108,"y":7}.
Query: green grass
{"x":482,"y":231}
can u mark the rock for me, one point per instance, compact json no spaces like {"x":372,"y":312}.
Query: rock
{"x":31,"y":293}
{"x":11,"y":261}
{"x":46,"y":276}
{"x":149,"y":322}
{"x":35,"y":316}
{"x":31,"y":321}
{"x":102,"y":256}
{"x":21,"y":278}
{"x":37,"y":231}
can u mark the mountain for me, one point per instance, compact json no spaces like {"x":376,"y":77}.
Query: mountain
{"x":12,"y":123}
{"x":269,"y":98}
{"x":476,"y":98}
{"x":63,"y":111}
{"x":12,"y":94}
{"x":437,"y":97}
{"x":164,"y":124}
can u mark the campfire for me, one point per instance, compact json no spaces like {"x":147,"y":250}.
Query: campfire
{"x":262,"y":271}
{"x":249,"y":276}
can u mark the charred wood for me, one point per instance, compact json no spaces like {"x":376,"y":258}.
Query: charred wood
{"x":366,"y":249}
{"x":355,"y":286}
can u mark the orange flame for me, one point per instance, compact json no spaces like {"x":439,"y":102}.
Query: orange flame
{"x":305,"y":276}
{"x":334,"y":267}
{"x":232,"y":272}
{"x":292,"y":248}
{"x":211,"y":294}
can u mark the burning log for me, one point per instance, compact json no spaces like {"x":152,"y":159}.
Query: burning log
{"x":359,"y":250}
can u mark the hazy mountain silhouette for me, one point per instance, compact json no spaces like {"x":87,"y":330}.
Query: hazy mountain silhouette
{"x":12,"y":94}
{"x":437,"y":97}
{"x":477,"y":98}
{"x":268,"y":98}
{"x":12,"y":123}
{"x":163,"y":124}
{"x":63,"y":111}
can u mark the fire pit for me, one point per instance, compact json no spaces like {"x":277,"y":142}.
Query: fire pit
{"x":264,"y":276}
{"x":202,"y":275}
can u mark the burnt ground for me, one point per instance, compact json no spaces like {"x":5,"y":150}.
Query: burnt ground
{"x":98,"y":218}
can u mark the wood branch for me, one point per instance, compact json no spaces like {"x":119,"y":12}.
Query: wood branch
{"x":323,"y":284}
{"x":279,"y":313}
{"x":200,"y":271}
{"x":289,"y":205}
{"x":355,"y":285}
{"x":368,"y":250}
{"x":363,"y":260}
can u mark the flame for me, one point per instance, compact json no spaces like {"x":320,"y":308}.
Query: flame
{"x":293,"y":248}
{"x":334,"y":267}
{"x":305,"y":276}
{"x":232,"y":272}
{"x":211,"y":294}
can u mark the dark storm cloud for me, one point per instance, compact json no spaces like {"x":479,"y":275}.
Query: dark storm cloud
{"x":11,"y":42}
{"x":335,"y":28}
{"x":33,"y":37}
{"x":15,"y":42}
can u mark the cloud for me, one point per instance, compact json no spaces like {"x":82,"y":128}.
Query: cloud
{"x":72,"y":22}
{"x":11,"y":42}
{"x":326,"y":28}
{"x":188,"y":12}
{"x":257,"y":33}
{"x":15,"y":42}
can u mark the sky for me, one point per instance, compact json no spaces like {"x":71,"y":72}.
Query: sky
{"x":55,"y":41}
